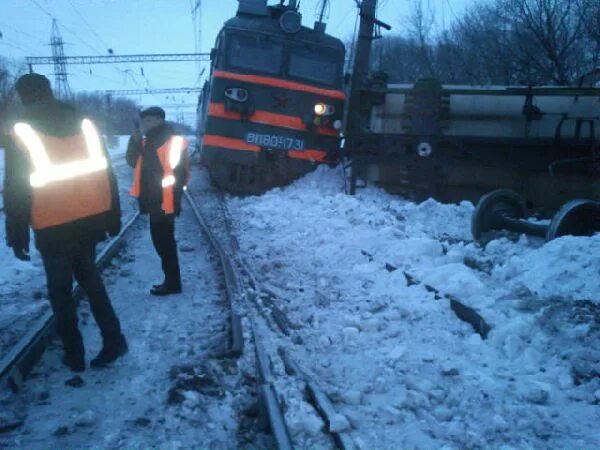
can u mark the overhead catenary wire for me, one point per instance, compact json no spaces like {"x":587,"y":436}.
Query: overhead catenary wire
{"x":95,"y":42}
{"x":23,"y":33}
{"x":102,"y":41}
{"x":74,"y":33}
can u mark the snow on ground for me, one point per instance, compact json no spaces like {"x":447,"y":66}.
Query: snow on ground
{"x":402,"y":368}
{"x":167,"y":392}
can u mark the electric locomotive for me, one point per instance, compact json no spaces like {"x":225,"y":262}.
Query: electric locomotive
{"x":273,"y":106}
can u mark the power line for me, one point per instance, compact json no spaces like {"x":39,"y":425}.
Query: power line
{"x":12,"y":45}
{"x":42,"y":9}
{"x":16,"y":30}
{"x":100,"y":77}
{"x":75,"y":34}
{"x":53,"y":17}
{"x":84,"y":20}
{"x":58,"y":59}
{"x":102,"y":41}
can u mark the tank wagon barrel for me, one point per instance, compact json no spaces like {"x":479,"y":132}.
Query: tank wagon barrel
{"x":456,"y":143}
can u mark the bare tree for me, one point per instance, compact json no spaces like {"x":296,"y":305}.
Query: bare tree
{"x":498,"y":42}
{"x":420,"y":29}
{"x":112,"y":115}
{"x":6,"y":94}
{"x":589,"y":11}
{"x":549,"y":38}
{"x":481,"y":43}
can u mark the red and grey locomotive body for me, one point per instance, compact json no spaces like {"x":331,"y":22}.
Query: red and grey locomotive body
{"x":273,"y":107}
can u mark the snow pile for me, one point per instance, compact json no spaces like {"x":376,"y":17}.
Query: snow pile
{"x":566,"y":267}
{"x":400,"y":366}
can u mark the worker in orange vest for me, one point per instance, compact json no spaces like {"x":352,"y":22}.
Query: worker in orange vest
{"x":59,"y":181}
{"x":161,"y":172}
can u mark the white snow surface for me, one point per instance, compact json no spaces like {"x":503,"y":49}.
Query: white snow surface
{"x":400,"y":368}
{"x":127,"y":405}
{"x":397,"y":362}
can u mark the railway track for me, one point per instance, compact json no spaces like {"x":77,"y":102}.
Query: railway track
{"x":269,"y":402}
{"x":275,"y":335}
{"x":19,"y":362}
{"x":186,"y":379}
{"x":16,"y":365}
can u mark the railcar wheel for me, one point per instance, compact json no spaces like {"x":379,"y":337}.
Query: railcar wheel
{"x":491,"y":207}
{"x":579,"y":217}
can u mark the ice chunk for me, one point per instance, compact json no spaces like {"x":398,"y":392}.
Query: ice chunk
{"x":86,"y":418}
{"x":351,"y":397}
{"x":351,"y":320}
{"x":338,"y":423}
{"x":499,"y":422}
{"x":351,"y":334}
{"x":397,"y":352}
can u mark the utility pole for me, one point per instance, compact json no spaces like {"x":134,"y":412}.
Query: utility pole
{"x":197,"y":20}
{"x":358,"y":107}
{"x":61,"y":83}
{"x":362,"y":57}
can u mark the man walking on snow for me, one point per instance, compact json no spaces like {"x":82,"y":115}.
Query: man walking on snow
{"x":161,"y":172}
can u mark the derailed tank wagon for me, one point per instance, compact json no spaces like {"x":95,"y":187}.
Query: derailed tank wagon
{"x":273,"y":106}
{"x":457,"y":143}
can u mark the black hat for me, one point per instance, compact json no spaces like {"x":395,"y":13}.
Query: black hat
{"x":33,"y":87}
{"x":154,"y":111}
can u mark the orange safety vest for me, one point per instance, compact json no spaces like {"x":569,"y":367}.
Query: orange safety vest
{"x":170,"y":154}
{"x":69,"y":180}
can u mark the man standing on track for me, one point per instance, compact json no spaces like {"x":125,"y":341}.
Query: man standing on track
{"x":161,"y":172}
{"x":59,"y":181}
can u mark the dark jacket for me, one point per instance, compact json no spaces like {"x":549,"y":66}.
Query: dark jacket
{"x":150,"y":199}
{"x":53,"y":118}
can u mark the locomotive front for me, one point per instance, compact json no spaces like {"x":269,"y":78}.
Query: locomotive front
{"x":274,"y":105}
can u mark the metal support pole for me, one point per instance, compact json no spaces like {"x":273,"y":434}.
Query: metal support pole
{"x":362,"y":59}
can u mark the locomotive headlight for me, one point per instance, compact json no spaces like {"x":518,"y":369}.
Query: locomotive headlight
{"x":237,"y":94}
{"x":321,"y":109}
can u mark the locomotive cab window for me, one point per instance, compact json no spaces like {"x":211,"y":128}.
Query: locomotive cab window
{"x":255,"y":53}
{"x":314,"y":64}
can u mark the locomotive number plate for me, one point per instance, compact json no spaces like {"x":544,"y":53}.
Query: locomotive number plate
{"x":275,"y":141}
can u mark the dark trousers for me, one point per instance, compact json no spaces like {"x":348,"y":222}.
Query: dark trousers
{"x":162,"y":230}
{"x":60,"y":269}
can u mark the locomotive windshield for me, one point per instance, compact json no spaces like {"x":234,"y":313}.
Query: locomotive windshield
{"x":313,"y":65}
{"x":257,"y":53}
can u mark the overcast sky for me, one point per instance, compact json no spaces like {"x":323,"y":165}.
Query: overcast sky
{"x":91,"y":27}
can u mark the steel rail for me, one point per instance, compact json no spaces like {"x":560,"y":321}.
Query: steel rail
{"x":16,"y":365}
{"x":463,"y":312}
{"x":236,"y":345}
{"x":315,"y":395}
{"x":272,"y":414}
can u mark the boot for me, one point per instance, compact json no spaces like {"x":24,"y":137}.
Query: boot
{"x":165,"y":289}
{"x":110,"y":352}
{"x":74,"y":361}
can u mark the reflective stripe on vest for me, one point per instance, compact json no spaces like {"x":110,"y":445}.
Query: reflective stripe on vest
{"x":169,"y":155}
{"x":69,"y":179}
